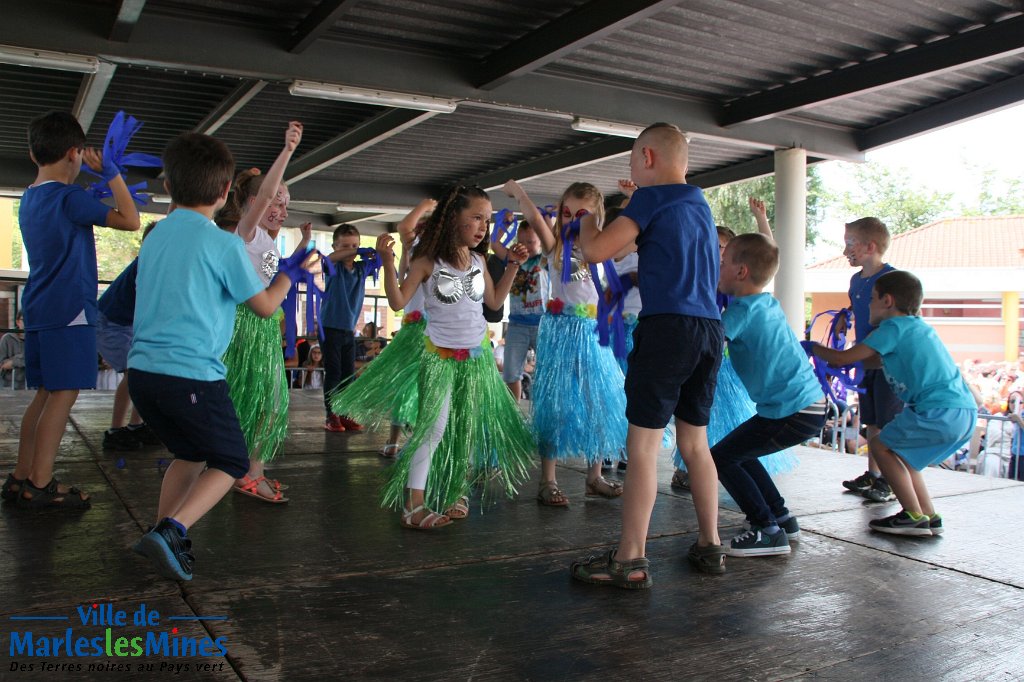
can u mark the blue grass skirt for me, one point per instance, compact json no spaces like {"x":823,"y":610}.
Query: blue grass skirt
{"x":732,"y":407}
{"x":579,"y":404}
{"x":486,"y":439}
{"x":387,"y":390}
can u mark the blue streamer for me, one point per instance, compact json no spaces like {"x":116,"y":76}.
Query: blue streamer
{"x":371,"y":262}
{"x":506,"y":226}
{"x":314,"y":297}
{"x":835,"y":381}
{"x":548,"y":211}
{"x":611,"y":327}
{"x":119,"y":134}
{"x":570,"y":231}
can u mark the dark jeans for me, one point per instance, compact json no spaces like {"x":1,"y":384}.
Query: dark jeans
{"x":742,"y":473}
{"x":339,"y":350}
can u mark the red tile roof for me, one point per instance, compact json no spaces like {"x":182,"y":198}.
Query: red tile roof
{"x":992,"y":242}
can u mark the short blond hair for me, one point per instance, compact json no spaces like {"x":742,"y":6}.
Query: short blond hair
{"x":872,"y":230}
{"x":758,"y":253}
{"x":668,"y":138}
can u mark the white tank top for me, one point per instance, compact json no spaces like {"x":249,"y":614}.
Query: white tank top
{"x":630,"y":263}
{"x":580,"y":288}
{"x":263,"y":254}
{"x":453,"y":301}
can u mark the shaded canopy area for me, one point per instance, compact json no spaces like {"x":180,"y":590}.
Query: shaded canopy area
{"x":513,"y":89}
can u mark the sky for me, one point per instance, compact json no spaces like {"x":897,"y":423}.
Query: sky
{"x":947,"y":160}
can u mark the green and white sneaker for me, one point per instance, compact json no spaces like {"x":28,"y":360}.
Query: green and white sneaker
{"x":755,"y":542}
{"x":902,"y":524}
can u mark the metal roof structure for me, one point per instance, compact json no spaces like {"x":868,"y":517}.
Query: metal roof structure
{"x":834,"y":77}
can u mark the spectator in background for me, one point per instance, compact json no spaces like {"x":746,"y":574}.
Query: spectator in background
{"x":12,"y":355}
{"x":313,"y":369}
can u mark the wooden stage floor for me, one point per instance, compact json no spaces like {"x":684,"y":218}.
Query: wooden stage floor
{"x":329,"y":587}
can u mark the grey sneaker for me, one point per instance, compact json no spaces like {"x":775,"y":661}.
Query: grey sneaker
{"x":935,"y":524}
{"x":902,"y":524}
{"x":861,"y":483}
{"x":755,"y":542}
{"x":879,"y":491}
{"x":791,"y":527}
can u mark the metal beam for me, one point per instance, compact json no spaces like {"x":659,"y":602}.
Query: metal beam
{"x":582,"y":26}
{"x":355,"y":217}
{"x":378,"y":194}
{"x":364,"y":135}
{"x":318,"y":22}
{"x":230,"y":106}
{"x":987,"y":100}
{"x":90,"y":94}
{"x":576,"y":157}
{"x":1002,"y":39}
{"x":125,"y":19}
{"x":197,"y":46}
{"x":746,"y":170}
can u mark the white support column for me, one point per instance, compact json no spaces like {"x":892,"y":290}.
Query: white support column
{"x":791,"y":233}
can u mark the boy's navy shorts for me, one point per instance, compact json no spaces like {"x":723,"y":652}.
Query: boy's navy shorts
{"x":62,"y":359}
{"x":195,"y":419}
{"x":673,"y":370}
{"x":878,"y":404}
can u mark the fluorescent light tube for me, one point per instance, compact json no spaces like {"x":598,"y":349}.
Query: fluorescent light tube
{"x":44,"y":59}
{"x":592,"y":125}
{"x":346,"y":93}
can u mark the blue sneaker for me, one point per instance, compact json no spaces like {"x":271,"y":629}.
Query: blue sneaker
{"x":169,"y":550}
{"x":755,"y":542}
{"x":791,"y":527}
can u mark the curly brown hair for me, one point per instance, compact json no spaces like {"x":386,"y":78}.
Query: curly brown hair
{"x":246,"y":185}
{"x":439,"y":238}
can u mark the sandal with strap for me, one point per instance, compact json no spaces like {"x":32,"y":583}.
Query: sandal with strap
{"x":602,"y":487}
{"x":389,"y":451}
{"x":680,"y":480}
{"x":707,"y":559}
{"x":276,"y":484}
{"x":550,"y":495}
{"x":459,"y":510}
{"x":50,"y":496}
{"x":430,"y":521}
{"x":605,"y":570}
{"x":251,"y":488}
{"x":12,"y":488}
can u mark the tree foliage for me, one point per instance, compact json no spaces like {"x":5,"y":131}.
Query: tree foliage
{"x":729,"y":203}
{"x":998,"y":196}
{"x":887,"y":193}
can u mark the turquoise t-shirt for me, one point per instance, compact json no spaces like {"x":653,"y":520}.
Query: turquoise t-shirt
{"x":918,"y":367}
{"x":191,"y":277}
{"x":768,"y":358}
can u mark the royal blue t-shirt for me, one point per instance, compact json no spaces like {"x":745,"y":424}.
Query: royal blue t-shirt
{"x":917,"y":366}
{"x":192,"y":275}
{"x":343,"y":297}
{"x":678,"y":251}
{"x":768,"y":358}
{"x":860,"y":300}
{"x":56,"y":229}
{"x":118,"y":302}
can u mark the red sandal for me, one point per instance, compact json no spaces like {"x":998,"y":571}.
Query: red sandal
{"x":251,"y":487}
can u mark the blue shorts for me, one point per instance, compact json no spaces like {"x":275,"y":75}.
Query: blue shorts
{"x":930,"y":436}
{"x":195,"y":419}
{"x":878,"y":404}
{"x":519,"y":338}
{"x":113,"y":341}
{"x":62,"y":359}
{"x":673,"y":370}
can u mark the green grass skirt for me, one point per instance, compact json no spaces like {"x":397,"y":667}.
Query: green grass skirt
{"x":388,"y":389}
{"x":486,"y":439}
{"x":256,"y":381}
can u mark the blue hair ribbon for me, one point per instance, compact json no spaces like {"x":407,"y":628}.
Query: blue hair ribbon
{"x":291,"y":267}
{"x":570,"y":231}
{"x":119,"y":134}
{"x":506,"y":226}
{"x":371,"y":262}
{"x":835,"y":381}
{"x":548,"y":211}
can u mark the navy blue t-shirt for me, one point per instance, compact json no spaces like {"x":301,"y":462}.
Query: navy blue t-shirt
{"x":678,"y":250}
{"x":343,"y":297}
{"x":118,"y":301}
{"x":860,"y":301}
{"x":56,"y":229}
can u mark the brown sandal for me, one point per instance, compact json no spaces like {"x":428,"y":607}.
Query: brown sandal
{"x":602,"y":487}
{"x":550,"y":495}
{"x":459,"y":510}
{"x":431,"y":521}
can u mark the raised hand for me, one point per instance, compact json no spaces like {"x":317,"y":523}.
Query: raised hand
{"x":293,"y":136}
{"x":511,"y":188}
{"x":306,"y":231}
{"x":518,"y":254}
{"x":627,"y":187}
{"x":386,"y":249}
{"x":757,"y":207}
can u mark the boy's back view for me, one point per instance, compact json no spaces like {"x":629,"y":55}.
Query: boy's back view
{"x":59,"y":301}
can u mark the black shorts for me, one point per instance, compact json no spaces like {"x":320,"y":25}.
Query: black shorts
{"x":673,"y":370}
{"x":878,"y":404}
{"x":195,"y":419}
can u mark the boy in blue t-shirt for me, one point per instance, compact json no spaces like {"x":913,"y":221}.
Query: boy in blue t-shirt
{"x":774,"y":369}
{"x":59,"y":301}
{"x":340,"y":311}
{"x":867,"y":240}
{"x":677,"y":348}
{"x":191,"y":276}
{"x":940,"y":411}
